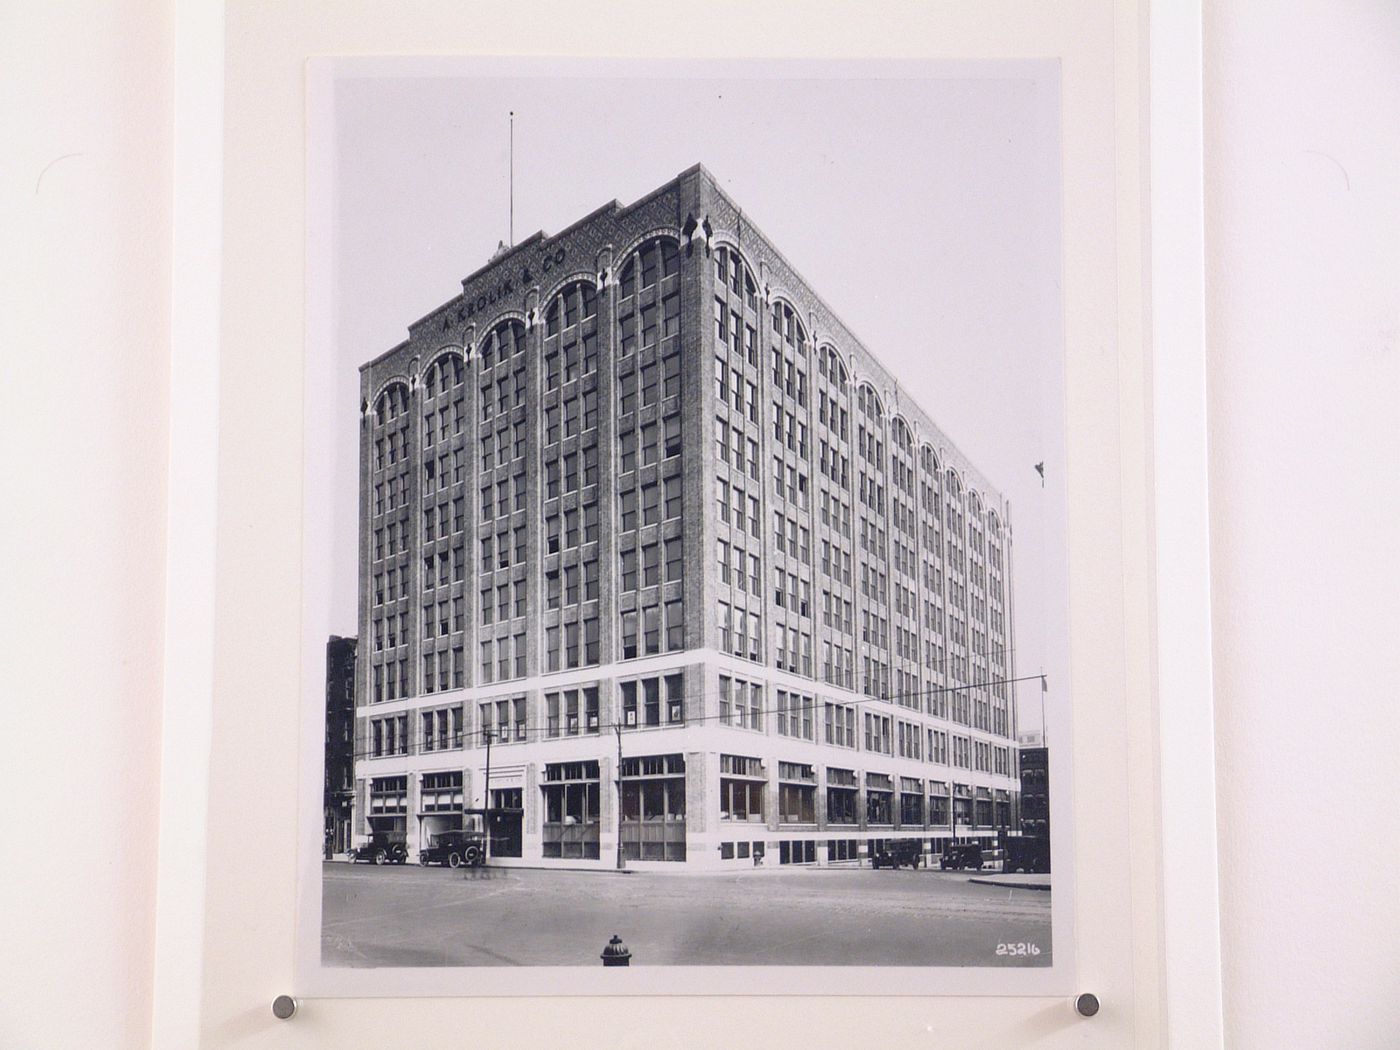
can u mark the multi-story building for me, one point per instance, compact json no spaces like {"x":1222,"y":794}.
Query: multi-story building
{"x":338,"y":787}
{"x":643,"y":521}
{"x":1035,"y":791}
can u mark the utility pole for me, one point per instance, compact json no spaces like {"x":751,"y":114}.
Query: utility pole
{"x":486,"y":790}
{"x":617,"y":731}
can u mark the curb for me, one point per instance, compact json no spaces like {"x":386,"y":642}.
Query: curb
{"x":1012,"y":885}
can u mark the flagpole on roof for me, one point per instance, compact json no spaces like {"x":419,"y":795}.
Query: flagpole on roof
{"x":512,"y":178}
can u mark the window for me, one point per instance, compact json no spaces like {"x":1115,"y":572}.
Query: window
{"x":841,"y":796}
{"x":653,"y":807}
{"x":442,"y":729}
{"x":877,"y":733}
{"x":911,"y":801}
{"x":389,"y":736}
{"x":797,"y":793}
{"x":675,"y":624}
{"x":795,"y":714}
{"x":878,"y":798}
{"x":388,"y":795}
{"x":629,"y":635}
{"x":441,"y":792}
{"x":571,"y":712}
{"x":741,"y":789}
{"x":740,"y":703}
{"x":571,"y":810}
{"x":503,"y":720}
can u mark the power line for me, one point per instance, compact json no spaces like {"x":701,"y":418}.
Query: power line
{"x":474,"y":738}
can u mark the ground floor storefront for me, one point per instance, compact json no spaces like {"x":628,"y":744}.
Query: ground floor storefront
{"x":703,"y":809}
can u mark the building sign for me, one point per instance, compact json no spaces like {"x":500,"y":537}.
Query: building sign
{"x":505,"y":287}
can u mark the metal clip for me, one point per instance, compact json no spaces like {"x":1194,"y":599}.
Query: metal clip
{"x":284,"y":1007}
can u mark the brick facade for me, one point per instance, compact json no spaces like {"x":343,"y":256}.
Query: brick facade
{"x":550,"y":469}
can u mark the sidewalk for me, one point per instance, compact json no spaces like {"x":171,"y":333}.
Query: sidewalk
{"x":1017,"y":880}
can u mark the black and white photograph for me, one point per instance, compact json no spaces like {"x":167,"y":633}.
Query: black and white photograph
{"x":792,"y":525}
{"x":690,"y":456}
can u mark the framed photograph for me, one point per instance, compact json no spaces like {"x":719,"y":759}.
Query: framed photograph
{"x":688,"y":525}
{"x":633,"y":559}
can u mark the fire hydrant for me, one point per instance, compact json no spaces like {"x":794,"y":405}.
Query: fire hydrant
{"x":616,"y":953}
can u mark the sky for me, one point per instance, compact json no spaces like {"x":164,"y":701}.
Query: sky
{"x":921,"y":201}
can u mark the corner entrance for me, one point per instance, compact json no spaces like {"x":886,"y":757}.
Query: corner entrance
{"x":505,"y":822}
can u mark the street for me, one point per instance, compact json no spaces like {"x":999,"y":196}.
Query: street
{"x":411,"y":916}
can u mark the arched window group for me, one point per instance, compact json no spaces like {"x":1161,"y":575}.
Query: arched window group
{"x":652,"y":262}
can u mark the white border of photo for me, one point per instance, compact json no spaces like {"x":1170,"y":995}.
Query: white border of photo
{"x":1146,"y":933}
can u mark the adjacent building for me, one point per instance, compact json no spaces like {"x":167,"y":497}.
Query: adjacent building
{"x":1035,"y":791}
{"x":338,"y":788}
{"x":641,"y":519}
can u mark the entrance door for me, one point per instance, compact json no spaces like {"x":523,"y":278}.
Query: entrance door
{"x":506,"y":823}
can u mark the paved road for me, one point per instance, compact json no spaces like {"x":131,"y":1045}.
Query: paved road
{"x":411,"y":916}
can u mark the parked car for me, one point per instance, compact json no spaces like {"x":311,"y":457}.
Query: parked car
{"x":961,"y":857}
{"x":380,"y":850}
{"x":454,"y":848}
{"x":897,"y":853}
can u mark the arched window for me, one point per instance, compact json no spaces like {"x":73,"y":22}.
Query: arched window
{"x":831,"y":366}
{"x":443,"y":374}
{"x":571,"y":335}
{"x":787,"y":326}
{"x":869,"y":402}
{"x":646,"y":320}
{"x":903,"y":438}
{"x":574,"y":304}
{"x":442,"y":524}
{"x":654,"y":261}
{"x":503,"y":342}
{"x":391,"y":403}
{"x":734,"y":274}
{"x":390,"y":494}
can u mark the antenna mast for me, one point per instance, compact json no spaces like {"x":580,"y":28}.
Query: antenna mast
{"x":512,"y":178}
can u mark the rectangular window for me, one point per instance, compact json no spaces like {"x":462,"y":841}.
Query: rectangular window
{"x":629,"y":635}
{"x":675,"y":625}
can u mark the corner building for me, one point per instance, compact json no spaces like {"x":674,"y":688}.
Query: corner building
{"x":637,"y":491}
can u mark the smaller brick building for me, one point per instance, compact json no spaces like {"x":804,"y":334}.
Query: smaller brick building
{"x":1035,"y":792}
{"x":339,"y":781}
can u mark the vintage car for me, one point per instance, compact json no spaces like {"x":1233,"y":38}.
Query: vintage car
{"x":896,"y":853}
{"x":380,"y":849}
{"x":961,"y":857}
{"x":454,"y":848}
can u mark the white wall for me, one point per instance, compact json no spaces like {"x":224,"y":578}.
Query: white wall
{"x":84,"y":350}
{"x":1303,"y":268}
{"x":1303,"y":190}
